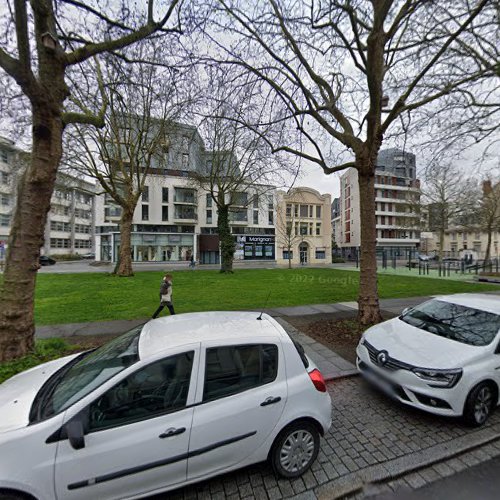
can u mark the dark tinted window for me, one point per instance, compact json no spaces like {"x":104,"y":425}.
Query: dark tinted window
{"x":453,"y":321}
{"x":158,"y":388}
{"x":234,"y":369}
{"x":302,"y":353}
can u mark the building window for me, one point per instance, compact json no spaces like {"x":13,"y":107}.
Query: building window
{"x":256,"y":201}
{"x":270,"y":217}
{"x":287,"y":254}
{"x":145,"y":212}
{"x":182,"y":195}
{"x":145,"y":194}
{"x":477,"y":236}
{"x":164,"y":212}
{"x":209,"y":216}
{"x":288,"y":210}
{"x":4,"y":177}
{"x":185,"y":143}
{"x":311,"y":211}
{"x":4,"y":200}
{"x":318,"y":229}
{"x":4,"y":220}
{"x":83,"y":214}
{"x":270,"y":202}
{"x":164,"y":195}
{"x":59,"y":243}
{"x":304,"y":210}
{"x":4,"y":156}
{"x":82,"y":243}
{"x":318,"y":211}
{"x":320,"y":253}
{"x":255,"y":216}
{"x":209,"y":200}
{"x":296,"y":210}
{"x":185,"y":161}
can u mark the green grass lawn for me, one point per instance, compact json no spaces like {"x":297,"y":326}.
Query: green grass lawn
{"x":75,"y":298}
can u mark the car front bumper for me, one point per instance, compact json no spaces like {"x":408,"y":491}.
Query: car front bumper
{"x":407,"y":388}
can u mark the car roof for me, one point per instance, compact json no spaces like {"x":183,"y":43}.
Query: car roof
{"x":481,"y":301}
{"x":173,"y":331}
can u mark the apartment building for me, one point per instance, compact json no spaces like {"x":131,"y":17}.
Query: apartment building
{"x":176,"y":219}
{"x":304,"y":227}
{"x":70,"y":221}
{"x":397,"y":193}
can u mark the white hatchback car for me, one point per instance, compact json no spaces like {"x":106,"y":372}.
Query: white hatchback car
{"x":442,"y":356}
{"x":172,"y":402}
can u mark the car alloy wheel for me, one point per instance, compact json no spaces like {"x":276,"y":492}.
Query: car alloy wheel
{"x":479,"y":405}
{"x":295,"y":449}
{"x":482,"y":405}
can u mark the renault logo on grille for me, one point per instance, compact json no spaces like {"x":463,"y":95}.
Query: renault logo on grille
{"x":382,"y":357}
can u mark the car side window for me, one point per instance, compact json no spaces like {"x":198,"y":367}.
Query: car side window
{"x":233,"y":369}
{"x":161,"y":387}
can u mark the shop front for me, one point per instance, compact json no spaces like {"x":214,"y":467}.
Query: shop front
{"x":254,"y":247}
{"x":158,"y":247}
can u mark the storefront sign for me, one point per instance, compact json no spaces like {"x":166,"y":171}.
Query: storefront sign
{"x":255,"y":239}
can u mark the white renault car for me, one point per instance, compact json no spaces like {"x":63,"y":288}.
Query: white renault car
{"x":442,"y":356}
{"x":172,"y":402}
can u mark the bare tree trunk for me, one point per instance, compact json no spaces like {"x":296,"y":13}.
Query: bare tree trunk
{"x":226,"y":240}
{"x":35,"y":189}
{"x":289,"y":258}
{"x":368,"y":303}
{"x":488,"y":246}
{"x":441,"y":243}
{"x":124,"y":265}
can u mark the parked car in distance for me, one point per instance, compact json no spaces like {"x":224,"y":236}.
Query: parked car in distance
{"x":172,"y":402}
{"x":90,"y":255}
{"x":44,"y":260}
{"x":441,"y":356}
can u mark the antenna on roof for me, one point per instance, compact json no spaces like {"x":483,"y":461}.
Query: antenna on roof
{"x":267,"y":300}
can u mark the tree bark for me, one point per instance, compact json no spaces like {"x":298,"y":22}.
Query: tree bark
{"x":17,"y":328}
{"x":368,"y":303}
{"x":441,"y":243}
{"x":123,"y":267}
{"x":226,"y":239}
{"x":489,"y":230}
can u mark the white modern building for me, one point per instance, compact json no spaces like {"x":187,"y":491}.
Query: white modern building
{"x":70,"y":221}
{"x":397,"y":192}
{"x":175,"y":219}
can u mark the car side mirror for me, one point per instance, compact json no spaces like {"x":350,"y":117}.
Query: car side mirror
{"x":497,"y":350}
{"x":75,"y":433}
{"x":405,"y":310}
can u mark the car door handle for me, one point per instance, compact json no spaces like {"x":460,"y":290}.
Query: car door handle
{"x":172,"y":432}
{"x":270,"y":401}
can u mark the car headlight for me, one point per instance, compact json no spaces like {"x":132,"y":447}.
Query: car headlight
{"x":439,"y":378}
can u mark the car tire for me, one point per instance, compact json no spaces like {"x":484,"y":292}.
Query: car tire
{"x":479,"y":404}
{"x":12,"y":495}
{"x":295,"y":449}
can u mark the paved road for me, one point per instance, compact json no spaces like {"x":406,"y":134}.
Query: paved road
{"x":479,"y":482}
{"x":368,"y":429}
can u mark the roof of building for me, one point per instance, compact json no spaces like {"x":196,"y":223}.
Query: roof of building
{"x":181,"y":329}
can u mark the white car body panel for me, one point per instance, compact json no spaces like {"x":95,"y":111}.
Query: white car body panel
{"x":18,"y":392}
{"x":48,"y":468}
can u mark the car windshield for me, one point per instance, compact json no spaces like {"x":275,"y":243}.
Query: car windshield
{"x":453,"y":321}
{"x":77,"y":379}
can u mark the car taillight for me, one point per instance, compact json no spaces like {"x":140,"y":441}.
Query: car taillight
{"x":318,"y":380}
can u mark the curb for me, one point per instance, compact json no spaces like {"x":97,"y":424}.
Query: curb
{"x":355,"y":482}
{"x":346,"y":374}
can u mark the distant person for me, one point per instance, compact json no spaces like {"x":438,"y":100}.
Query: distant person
{"x":192,"y":262}
{"x":165,"y":296}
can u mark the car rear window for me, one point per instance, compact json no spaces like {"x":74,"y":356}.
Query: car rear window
{"x":233,"y":369}
{"x":302,"y":353}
